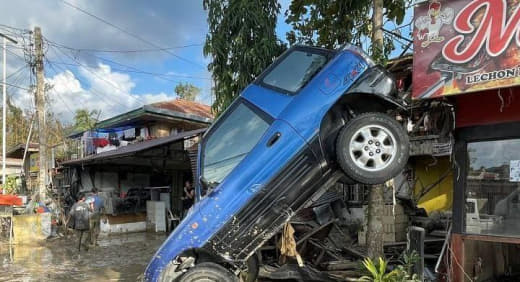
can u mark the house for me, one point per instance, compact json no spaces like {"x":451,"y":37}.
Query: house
{"x":27,"y":167}
{"x":13,"y":166}
{"x":135,"y":157}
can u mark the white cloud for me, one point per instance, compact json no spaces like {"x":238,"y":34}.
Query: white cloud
{"x":98,"y":88}
{"x":164,"y":23}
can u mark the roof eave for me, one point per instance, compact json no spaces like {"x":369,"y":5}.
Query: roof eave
{"x":191,"y":117}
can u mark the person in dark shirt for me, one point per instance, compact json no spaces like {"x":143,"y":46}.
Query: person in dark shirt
{"x":96,"y":205}
{"x":189,"y":196}
{"x":80,"y":215}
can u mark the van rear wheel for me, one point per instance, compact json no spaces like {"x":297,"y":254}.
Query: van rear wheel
{"x":372,"y":148}
{"x":208,"y":272}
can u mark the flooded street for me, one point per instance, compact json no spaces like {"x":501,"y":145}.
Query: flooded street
{"x":117,"y":258}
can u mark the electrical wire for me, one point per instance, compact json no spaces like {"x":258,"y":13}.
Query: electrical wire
{"x":123,"y":51}
{"x":16,"y":72}
{"x":93,"y":90}
{"x":15,"y":86}
{"x":58,"y":94}
{"x":16,"y":79}
{"x":131,"y":34}
{"x":138,"y":71}
{"x":16,"y":55}
{"x":102,"y":78}
{"x":15,"y":28}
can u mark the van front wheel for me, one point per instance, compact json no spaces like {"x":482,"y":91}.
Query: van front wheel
{"x":372,"y":148}
{"x":208,"y":272}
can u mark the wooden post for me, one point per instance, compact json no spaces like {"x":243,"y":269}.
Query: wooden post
{"x":457,"y":257}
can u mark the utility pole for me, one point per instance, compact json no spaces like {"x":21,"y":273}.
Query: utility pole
{"x":4,"y":107}
{"x":40,"y":112}
{"x":376,"y":203}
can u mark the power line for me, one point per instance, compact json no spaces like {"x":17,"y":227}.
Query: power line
{"x":16,"y":55}
{"x":15,"y":28}
{"x":15,"y":86}
{"x":131,"y":34}
{"x":17,"y":71}
{"x":56,"y":92}
{"x":129,"y":69}
{"x":17,"y":78}
{"x":136,"y":70}
{"x":122,"y":51}
{"x":92,"y":89}
{"x":102,"y":97}
{"x":102,"y":78}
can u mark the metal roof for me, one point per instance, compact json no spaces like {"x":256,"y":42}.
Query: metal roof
{"x":186,"y":107}
{"x":177,"y":109}
{"x":17,"y":150}
{"x":124,"y":151}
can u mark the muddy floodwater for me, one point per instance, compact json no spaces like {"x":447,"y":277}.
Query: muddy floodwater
{"x":117,"y":258}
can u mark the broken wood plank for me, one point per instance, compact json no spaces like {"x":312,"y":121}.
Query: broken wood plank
{"x":329,"y":252}
{"x":354,"y":252}
{"x":314,"y":231}
{"x":341,"y":265}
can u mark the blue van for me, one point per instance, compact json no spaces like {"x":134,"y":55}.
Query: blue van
{"x":314,"y":117}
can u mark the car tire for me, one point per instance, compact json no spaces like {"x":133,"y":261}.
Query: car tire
{"x":208,"y":271}
{"x":372,"y":148}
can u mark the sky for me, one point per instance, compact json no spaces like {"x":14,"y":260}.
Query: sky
{"x":82,"y":75}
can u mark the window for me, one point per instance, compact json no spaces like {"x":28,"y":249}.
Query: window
{"x":295,"y":70}
{"x":493,"y":188}
{"x":233,"y":137}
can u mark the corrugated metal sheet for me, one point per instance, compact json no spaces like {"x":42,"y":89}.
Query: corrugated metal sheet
{"x":133,"y":148}
{"x":185,"y":106}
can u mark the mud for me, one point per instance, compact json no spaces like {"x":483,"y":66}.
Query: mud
{"x":117,"y":258}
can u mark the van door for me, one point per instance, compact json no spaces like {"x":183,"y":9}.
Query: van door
{"x":257,"y":190}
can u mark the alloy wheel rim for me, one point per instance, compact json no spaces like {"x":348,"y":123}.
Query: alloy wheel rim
{"x":372,"y":147}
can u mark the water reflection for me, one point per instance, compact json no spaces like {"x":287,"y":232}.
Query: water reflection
{"x":117,"y":258}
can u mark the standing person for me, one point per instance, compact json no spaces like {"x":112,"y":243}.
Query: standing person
{"x":189,"y":197}
{"x":80,"y":214}
{"x":96,"y":204}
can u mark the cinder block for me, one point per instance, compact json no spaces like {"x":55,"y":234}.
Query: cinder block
{"x":362,"y":238}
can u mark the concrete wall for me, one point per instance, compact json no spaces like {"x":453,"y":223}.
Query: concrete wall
{"x":110,"y":181}
{"x":31,"y":228}
{"x":107,"y":228}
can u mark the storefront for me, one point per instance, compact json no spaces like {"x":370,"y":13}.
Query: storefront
{"x":486,"y":218}
{"x":465,"y":52}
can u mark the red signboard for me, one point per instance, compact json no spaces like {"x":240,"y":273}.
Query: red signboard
{"x":463,"y":46}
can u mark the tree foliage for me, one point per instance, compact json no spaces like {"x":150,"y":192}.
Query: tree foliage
{"x":331,"y":23}
{"x":241,"y":42}
{"x":85,"y":120}
{"x":187,"y":91}
{"x":19,"y":124}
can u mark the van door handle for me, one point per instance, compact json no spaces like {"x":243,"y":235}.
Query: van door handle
{"x":273,"y":139}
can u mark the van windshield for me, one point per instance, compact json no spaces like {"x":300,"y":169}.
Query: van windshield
{"x":236,"y":133}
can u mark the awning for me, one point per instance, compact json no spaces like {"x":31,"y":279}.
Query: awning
{"x":131,"y":149}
